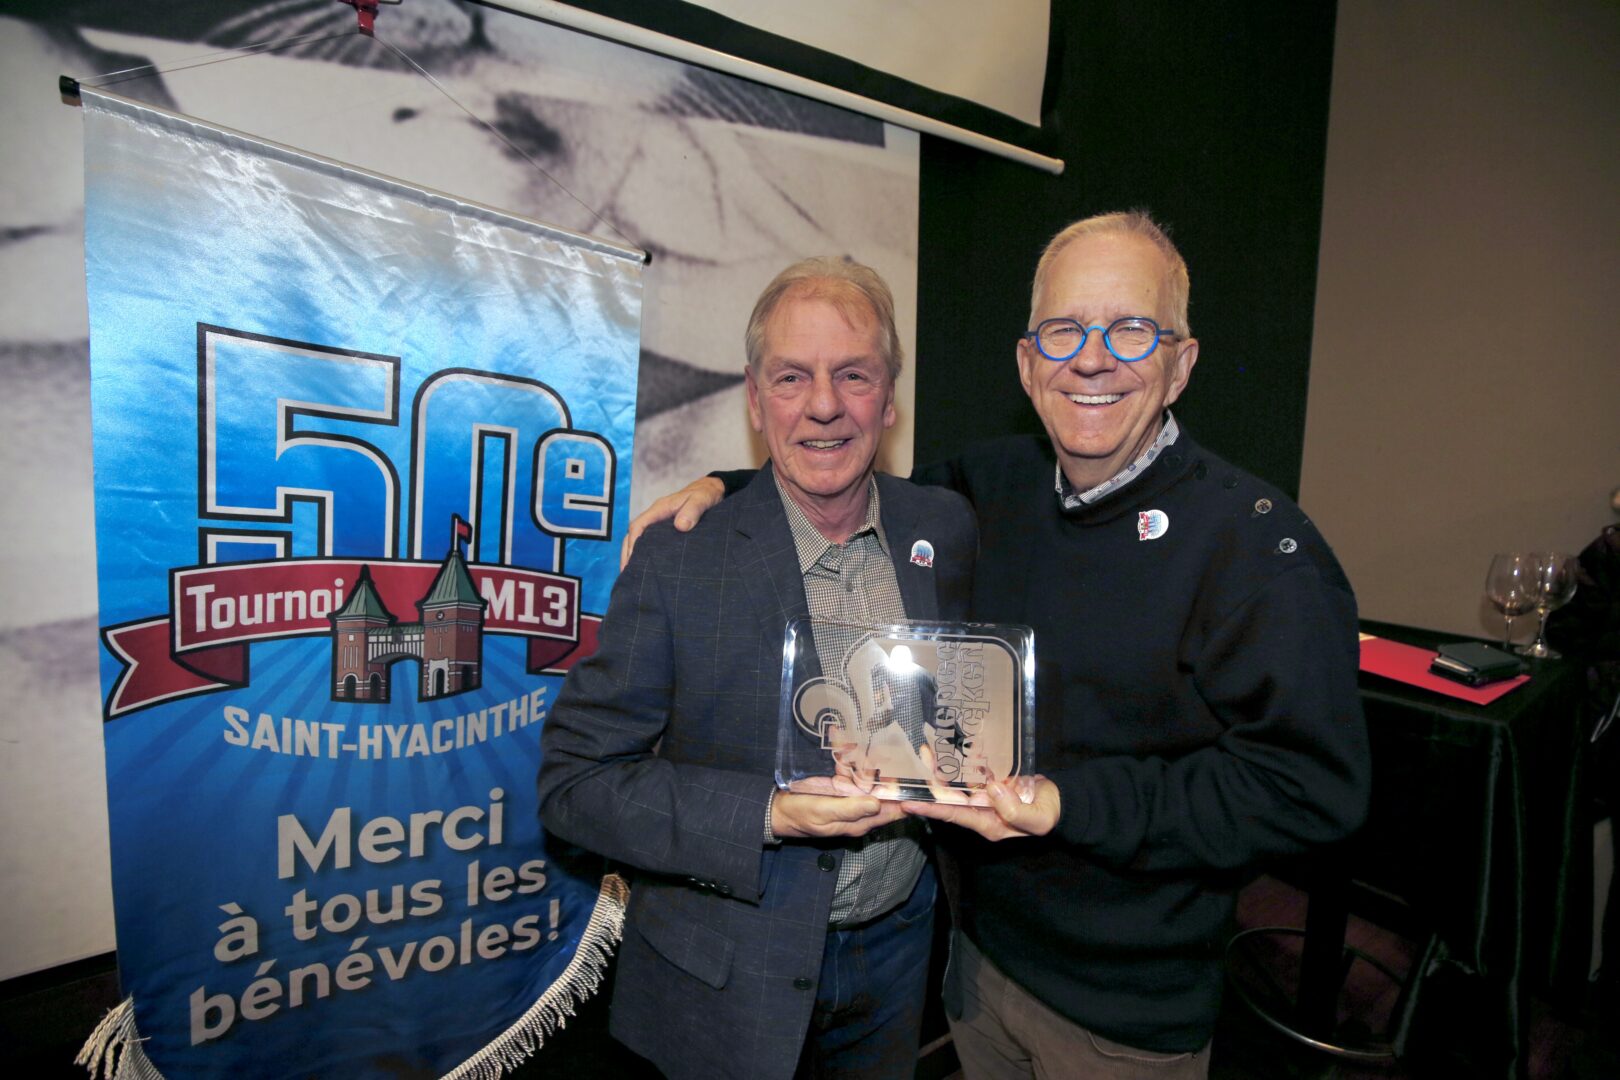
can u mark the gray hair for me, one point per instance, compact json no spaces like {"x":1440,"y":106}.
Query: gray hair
{"x":851,"y":287}
{"x":1132,"y":222}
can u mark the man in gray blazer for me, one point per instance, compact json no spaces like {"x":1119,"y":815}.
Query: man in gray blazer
{"x":770,"y":933}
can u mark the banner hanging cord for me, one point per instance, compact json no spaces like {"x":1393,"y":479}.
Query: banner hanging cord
{"x":515,"y":148}
{"x":69,"y":88}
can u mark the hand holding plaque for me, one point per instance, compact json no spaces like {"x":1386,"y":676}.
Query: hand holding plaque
{"x":929,"y":712}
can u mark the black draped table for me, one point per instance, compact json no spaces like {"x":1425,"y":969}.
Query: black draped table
{"x":1477,"y":823}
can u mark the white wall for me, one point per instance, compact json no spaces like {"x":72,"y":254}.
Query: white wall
{"x":1465,"y":392}
{"x":55,"y":887}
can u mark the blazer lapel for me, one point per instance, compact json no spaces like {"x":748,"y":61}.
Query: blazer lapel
{"x":903,"y":530}
{"x":767,"y":561}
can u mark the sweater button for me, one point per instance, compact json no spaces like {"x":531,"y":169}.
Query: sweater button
{"x":826,"y":861}
{"x":801,"y":983}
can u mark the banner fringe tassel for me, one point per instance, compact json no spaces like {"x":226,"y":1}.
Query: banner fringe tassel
{"x":113,"y":1049}
{"x":576,"y":984}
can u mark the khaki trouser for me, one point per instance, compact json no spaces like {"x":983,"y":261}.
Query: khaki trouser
{"x":1005,"y":1034}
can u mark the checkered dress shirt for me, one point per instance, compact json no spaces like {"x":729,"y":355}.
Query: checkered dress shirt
{"x":854,"y":582}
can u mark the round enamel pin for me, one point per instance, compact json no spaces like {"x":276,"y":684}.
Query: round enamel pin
{"x":1152,"y":524}
{"x":922,"y":553}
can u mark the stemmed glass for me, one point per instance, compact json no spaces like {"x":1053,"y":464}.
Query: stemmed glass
{"x":1510,"y":586}
{"x":1554,"y":582}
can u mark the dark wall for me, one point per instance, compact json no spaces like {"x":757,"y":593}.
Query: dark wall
{"x":1213,"y":117}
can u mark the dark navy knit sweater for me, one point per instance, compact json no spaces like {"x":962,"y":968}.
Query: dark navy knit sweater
{"x":1197,"y":707}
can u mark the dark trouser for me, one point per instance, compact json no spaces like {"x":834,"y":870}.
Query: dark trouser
{"x":1006,"y":1034}
{"x":868,"y":1012}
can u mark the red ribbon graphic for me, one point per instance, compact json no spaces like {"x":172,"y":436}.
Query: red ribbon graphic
{"x":217,"y":611}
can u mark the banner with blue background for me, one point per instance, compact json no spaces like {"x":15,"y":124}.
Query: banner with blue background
{"x":361,"y":466}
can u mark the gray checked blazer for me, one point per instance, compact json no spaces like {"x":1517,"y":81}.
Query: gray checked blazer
{"x":660,"y":753}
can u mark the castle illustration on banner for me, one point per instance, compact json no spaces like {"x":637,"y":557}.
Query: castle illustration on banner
{"x":367,"y":638}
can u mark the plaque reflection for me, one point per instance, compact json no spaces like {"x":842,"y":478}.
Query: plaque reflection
{"x":905,"y":711}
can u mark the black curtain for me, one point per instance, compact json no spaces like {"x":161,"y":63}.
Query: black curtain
{"x":1214,"y":118}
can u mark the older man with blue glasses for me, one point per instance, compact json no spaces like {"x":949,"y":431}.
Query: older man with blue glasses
{"x":1196,"y":651}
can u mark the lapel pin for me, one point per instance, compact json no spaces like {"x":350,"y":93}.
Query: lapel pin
{"x":922,"y":554}
{"x":1152,"y":524}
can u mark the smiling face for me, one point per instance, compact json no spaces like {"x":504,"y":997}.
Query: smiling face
{"x":1101,"y":413}
{"x":821,"y":397}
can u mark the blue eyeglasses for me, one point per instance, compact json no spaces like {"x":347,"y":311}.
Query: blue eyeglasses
{"x":1129,"y":339}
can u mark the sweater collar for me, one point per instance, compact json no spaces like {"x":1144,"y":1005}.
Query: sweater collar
{"x":1148,"y":483}
{"x":1073,"y":500}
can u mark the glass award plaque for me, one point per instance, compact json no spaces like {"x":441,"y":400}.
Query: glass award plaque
{"x":924,"y":711}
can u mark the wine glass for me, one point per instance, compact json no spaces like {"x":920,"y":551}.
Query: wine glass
{"x":1554,"y":583}
{"x":1510,"y":586}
